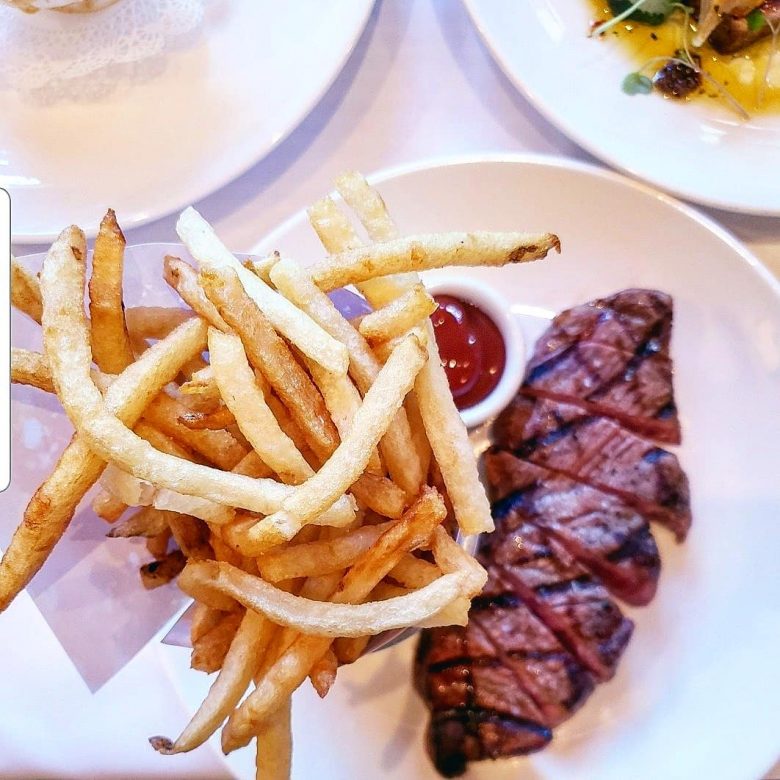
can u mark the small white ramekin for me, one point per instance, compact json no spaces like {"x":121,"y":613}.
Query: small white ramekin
{"x":497,"y":308}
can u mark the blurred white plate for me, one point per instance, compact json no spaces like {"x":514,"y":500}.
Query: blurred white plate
{"x":698,"y":691}
{"x":204,"y":114}
{"x":701,"y":151}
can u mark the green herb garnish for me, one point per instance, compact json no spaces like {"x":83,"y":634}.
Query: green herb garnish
{"x":756,"y":20}
{"x":652,"y":12}
{"x":637,"y":84}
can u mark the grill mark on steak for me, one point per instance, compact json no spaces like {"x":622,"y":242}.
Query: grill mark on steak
{"x":559,"y":591}
{"x":598,"y":452}
{"x":613,"y":359}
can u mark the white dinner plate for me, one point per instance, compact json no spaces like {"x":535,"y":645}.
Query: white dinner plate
{"x":701,"y":151}
{"x":210,"y":110}
{"x":697,"y":693}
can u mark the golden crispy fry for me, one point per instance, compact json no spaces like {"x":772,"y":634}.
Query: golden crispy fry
{"x":291,"y":669}
{"x":25,"y":291}
{"x":184,"y":279}
{"x":218,"y":447}
{"x":332,"y":227}
{"x":209,"y":651}
{"x":203,"y":620}
{"x":380,"y":495}
{"x":245,"y":400}
{"x":444,"y":428}
{"x":424,"y":252}
{"x":154,"y":322}
{"x":274,"y":745}
{"x":323,"y":673}
{"x":108,"y":507}
{"x":419,"y":438}
{"x":291,"y":323}
{"x":203,"y":508}
{"x":348,"y":650}
{"x":213,"y":421}
{"x":267,"y":352}
{"x":315,"y":617}
{"x":412,"y":572}
{"x":342,"y":400}
{"x":396,"y":446}
{"x":157,"y":546}
{"x":146,"y":522}
{"x":238,"y":669}
{"x":348,"y":462}
{"x":111,"y":348}
{"x":30,"y":368}
{"x":386,"y":590}
{"x":261,"y":266}
{"x":162,"y":571}
{"x":324,"y":556}
{"x":398,"y":316}
{"x":191,"y":535}
{"x":52,"y":507}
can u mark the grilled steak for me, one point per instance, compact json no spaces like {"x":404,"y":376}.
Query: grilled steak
{"x":573,"y":484}
{"x":497,"y":686}
{"x":611,"y":357}
{"x":599,"y":530}
{"x":598,"y":451}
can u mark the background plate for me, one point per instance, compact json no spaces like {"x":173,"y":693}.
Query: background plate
{"x":701,"y":151}
{"x":205,"y":113}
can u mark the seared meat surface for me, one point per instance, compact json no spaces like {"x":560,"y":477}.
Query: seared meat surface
{"x":573,"y":485}
{"x":734,"y":34}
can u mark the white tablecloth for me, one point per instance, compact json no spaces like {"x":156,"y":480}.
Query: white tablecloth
{"x":420,"y":84}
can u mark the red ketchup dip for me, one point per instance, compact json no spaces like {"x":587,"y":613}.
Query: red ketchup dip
{"x":472,"y":349}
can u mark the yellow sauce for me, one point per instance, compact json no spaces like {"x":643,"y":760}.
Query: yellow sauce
{"x":742,"y":74}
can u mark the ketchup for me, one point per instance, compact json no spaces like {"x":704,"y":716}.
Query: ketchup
{"x":472,"y":349}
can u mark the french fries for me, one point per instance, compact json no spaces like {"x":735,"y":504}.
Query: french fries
{"x":278,"y":460}
{"x":111,"y":347}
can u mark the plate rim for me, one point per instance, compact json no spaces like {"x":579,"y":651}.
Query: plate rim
{"x":569,"y":129}
{"x":307,"y":107}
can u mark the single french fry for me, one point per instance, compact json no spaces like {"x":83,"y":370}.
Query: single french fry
{"x":425,"y":252}
{"x":261,"y":266}
{"x":246,"y":402}
{"x":379,"y":494}
{"x":294,"y":325}
{"x":210,"y":650}
{"x":162,"y":571}
{"x":111,"y":348}
{"x":324,"y":556}
{"x":146,"y":522}
{"x":213,"y":421}
{"x":413,"y":572}
{"x":349,"y":649}
{"x":218,"y":447}
{"x":323,"y":673}
{"x":154,"y":322}
{"x":348,"y":462}
{"x":25,"y":291}
{"x":31,"y":368}
{"x":184,"y":279}
{"x":398,"y":316}
{"x":204,"y":618}
{"x":274,"y":745}
{"x":157,"y":546}
{"x":108,"y":507}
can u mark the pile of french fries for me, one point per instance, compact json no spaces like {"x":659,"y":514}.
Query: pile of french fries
{"x":297,"y":482}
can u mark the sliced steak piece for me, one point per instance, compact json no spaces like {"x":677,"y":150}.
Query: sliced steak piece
{"x":601,"y":453}
{"x":478,"y":709}
{"x":611,"y":357}
{"x":575,"y":605}
{"x":598,"y":529}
